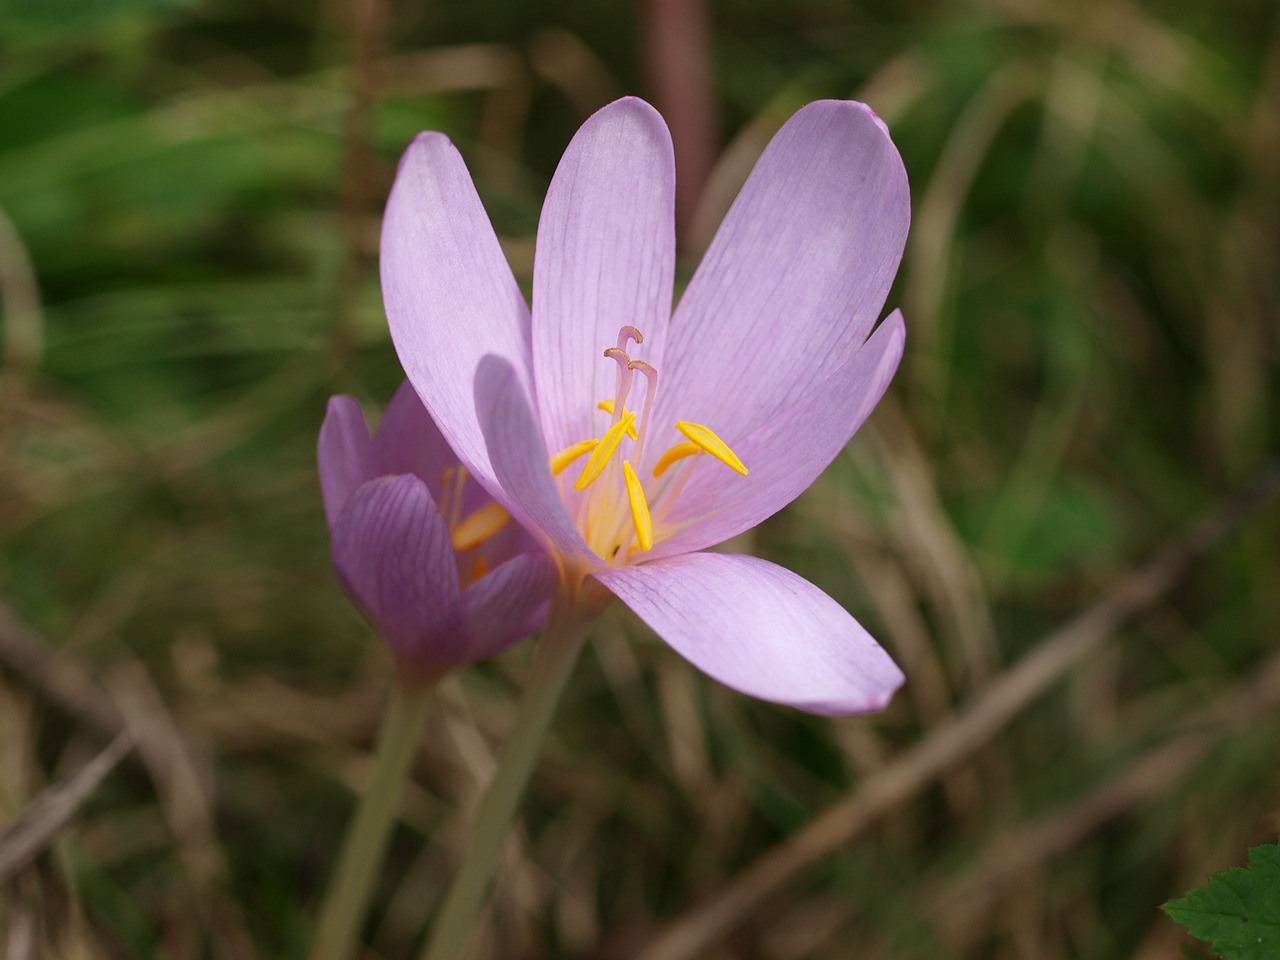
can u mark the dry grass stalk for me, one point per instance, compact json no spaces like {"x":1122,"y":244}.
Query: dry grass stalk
{"x":47,"y":815}
{"x":956,"y":739}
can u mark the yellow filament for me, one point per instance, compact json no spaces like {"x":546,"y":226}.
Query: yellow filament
{"x":639,"y":507}
{"x":561,"y":461}
{"x":479,"y":526}
{"x":607,"y":407}
{"x":603,"y":451}
{"x":708,"y":441}
{"x":681,"y":450}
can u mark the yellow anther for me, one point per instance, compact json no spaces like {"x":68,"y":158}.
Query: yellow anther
{"x":639,"y":507}
{"x":561,"y":461}
{"x":479,"y":526}
{"x":708,"y":441}
{"x":686,"y":448}
{"x":603,"y":451}
{"x":607,"y":407}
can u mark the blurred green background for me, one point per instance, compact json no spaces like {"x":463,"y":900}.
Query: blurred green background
{"x":190,"y":196}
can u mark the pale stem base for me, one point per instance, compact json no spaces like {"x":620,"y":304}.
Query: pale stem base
{"x":556,"y":655}
{"x":363,"y":847}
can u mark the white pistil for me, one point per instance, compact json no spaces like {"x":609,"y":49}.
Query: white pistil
{"x":651,"y":374}
{"x":603,"y":502}
{"x":628,"y":333}
{"x":623,"y":385}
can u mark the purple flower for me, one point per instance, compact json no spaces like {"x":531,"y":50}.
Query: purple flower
{"x":420,"y":547}
{"x":629,"y":439}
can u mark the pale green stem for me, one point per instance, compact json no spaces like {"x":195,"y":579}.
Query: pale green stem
{"x":557,"y":653}
{"x":365,"y":843}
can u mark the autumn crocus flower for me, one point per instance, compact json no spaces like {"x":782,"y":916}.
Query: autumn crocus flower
{"x":628,"y":439}
{"x":420,"y":547}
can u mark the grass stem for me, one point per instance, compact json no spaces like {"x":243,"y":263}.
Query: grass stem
{"x":365,"y":843}
{"x":557,"y":653}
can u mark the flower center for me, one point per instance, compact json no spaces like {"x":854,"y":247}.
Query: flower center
{"x":616,"y":507}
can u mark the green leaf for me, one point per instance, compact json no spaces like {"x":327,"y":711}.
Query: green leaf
{"x":1238,"y":913}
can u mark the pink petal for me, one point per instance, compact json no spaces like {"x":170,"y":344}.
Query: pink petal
{"x":344,"y":454}
{"x":408,"y":441}
{"x":508,"y":604}
{"x":605,"y":257}
{"x":461,"y":329}
{"x":785,"y":454}
{"x":450,"y":297}
{"x":518,"y":459}
{"x":393,"y":554}
{"x":760,"y":629}
{"x":794,"y":280}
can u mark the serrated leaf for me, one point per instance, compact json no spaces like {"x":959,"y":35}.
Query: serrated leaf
{"x":1238,"y":913}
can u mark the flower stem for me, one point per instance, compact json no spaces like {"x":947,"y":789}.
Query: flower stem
{"x":365,"y":843}
{"x":557,"y":653}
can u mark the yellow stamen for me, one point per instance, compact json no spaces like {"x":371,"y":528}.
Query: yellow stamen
{"x":561,"y":461}
{"x":681,"y":450}
{"x":639,"y":507}
{"x":607,"y":407}
{"x":479,"y":526}
{"x":478,"y":570}
{"x":709,"y":442}
{"x":603,"y":451}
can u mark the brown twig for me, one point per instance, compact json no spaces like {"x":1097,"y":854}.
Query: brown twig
{"x":135,"y":714}
{"x":1017,"y":852}
{"x":60,"y":680}
{"x":677,"y":54}
{"x":928,"y":537}
{"x":954,"y":739}
{"x":367,"y":23}
{"x":37,"y":826}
